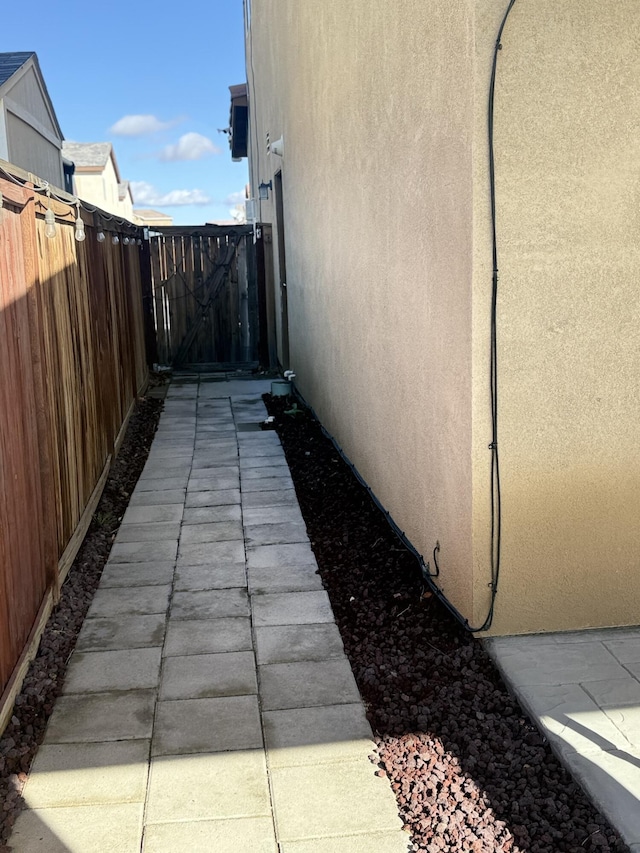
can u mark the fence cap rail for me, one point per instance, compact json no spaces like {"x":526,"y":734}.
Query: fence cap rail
{"x":201,"y":230}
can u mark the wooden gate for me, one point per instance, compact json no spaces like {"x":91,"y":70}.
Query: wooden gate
{"x":205,"y":296}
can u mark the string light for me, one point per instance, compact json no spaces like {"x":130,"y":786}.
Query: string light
{"x":80,"y":234}
{"x":115,"y":239}
{"x":125,"y":241}
{"x":100,"y":236}
{"x":49,"y":218}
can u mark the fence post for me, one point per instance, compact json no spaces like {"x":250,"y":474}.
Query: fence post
{"x":150,"y":339}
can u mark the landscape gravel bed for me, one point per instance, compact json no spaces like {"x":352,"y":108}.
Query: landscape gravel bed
{"x":469,"y":769}
{"x":45,"y":676}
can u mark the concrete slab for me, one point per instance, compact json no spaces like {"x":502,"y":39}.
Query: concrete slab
{"x":206,"y":676}
{"x":612,"y":779}
{"x":151,"y":514}
{"x":88,"y":773}
{"x":211,"y":462}
{"x":142,"y":552}
{"x":121,"y":632}
{"x":212,"y":514}
{"x":100,"y":717}
{"x":625,"y":650}
{"x":524,"y":665}
{"x":207,"y":725}
{"x":253,"y":451}
{"x":272,"y":579}
{"x":619,"y":700}
{"x":291,"y":608}
{"x":79,"y":829}
{"x":194,"y":637}
{"x":571,"y":719}
{"x":307,"y":683}
{"x":325,"y":800}
{"x":229,"y":470}
{"x":213,"y":498}
{"x":162,"y":497}
{"x":250,"y":834}
{"x":210,"y":553}
{"x":137,"y":574}
{"x":218,"y":785}
{"x":318,"y":735}
{"x":136,"y":601}
{"x":285,"y":532}
{"x":288,"y":643}
{"x":220,"y":531}
{"x":211,"y":577}
{"x":104,"y":672}
{"x":209,"y":604}
{"x":163,"y":531}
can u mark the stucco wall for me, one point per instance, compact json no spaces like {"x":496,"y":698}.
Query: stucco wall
{"x":567,"y":167}
{"x":378,"y":215}
{"x":389,"y":278}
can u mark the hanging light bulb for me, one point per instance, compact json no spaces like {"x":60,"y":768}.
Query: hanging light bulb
{"x":125,"y":241}
{"x":139,"y":242}
{"x":115,"y":239}
{"x":49,"y":219}
{"x":80,"y":232}
{"x":100,"y":236}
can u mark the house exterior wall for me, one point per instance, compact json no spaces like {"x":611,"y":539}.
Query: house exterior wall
{"x":27,"y":148}
{"x":567,"y":166}
{"x":101,"y":189}
{"x":389,"y":268}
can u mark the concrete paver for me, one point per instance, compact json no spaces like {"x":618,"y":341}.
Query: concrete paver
{"x":102,"y":672}
{"x":216,"y":785}
{"x":121,"y":632}
{"x":288,"y":643}
{"x":225,"y":576}
{"x":209,"y":675}
{"x":193,"y":637}
{"x":304,"y":683}
{"x":210,"y":632}
{"x":88,"y":773}
{"x":220,"y":724}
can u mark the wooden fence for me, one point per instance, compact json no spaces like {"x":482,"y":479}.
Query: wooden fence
{"x":72,"y":361}
{"x":205,"y":296}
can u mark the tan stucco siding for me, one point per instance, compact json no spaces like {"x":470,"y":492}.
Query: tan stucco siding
{"x":567,"y":166}
{"x":376,"y":112}
{"x":31,"y":151}
{"x":389,"y":269}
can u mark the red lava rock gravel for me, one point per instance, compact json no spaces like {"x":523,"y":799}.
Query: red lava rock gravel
{"x":44,"y":679}
{"x":469,"y":769}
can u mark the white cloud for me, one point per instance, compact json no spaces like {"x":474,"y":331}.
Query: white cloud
{"x":191,"y":146}
{"x":139,"y":125}
{"x":236,"y":198}
{"x":146,"y":194}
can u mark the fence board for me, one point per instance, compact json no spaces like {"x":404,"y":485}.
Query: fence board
{"x":72,"y":361}
{"x":202,"y":277}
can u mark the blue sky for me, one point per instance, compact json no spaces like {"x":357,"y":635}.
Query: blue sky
{"x":169,"y":65}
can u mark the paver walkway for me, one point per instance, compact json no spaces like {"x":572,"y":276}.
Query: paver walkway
{"x":209,"y":705}
{"x":583,"y":689}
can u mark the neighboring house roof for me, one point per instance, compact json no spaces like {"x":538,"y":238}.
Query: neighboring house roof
{"x":16,"y":63}
{"x":91,"y":156}
{"x":11,"y":62}
{"x":150,"y":214}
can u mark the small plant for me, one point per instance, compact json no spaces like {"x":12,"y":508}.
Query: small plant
{"x":293,"y":411}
